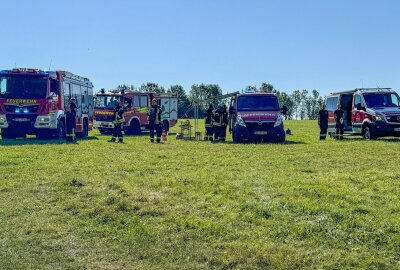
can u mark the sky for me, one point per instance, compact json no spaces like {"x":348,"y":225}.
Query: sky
{"x":327,"y":45}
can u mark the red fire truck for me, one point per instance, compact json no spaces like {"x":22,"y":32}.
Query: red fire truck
{"x":136,"y":105}
{"x":32,"y":101}
{"x":369,"y":112}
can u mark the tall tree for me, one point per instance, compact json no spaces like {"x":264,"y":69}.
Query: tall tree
{"x":296,"y":97}
{"x":303,"y":102}
{"x":201,"y":92}
{"x":286,"y":100}
{"x":151,"y":87}
{"x":251,"y":88}
{"x":126,"y":87}
{"x":266,"y":88}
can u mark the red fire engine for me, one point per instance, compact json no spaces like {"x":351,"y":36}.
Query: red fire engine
{"x":32,"y":101}
{"x":136,"y":105}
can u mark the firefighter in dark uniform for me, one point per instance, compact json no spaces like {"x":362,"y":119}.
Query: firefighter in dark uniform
{"x":70,"y":120}
{"x":118,"y":121}
{"x":155,"y":123}
{"x":339,"y":113}
{"x":208,"y":120}
{"x":217,"y":120}
{"x":224,"y":122}
{"x":323,"y":122}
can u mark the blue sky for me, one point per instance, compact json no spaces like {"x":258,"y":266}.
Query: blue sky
{"x":323,"y":45}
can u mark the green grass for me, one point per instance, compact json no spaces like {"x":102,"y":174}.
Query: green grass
{"x":304,"y":204}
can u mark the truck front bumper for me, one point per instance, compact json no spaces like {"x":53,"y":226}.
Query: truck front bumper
{"x":382,"y":129}
{"x":102,"y":124}
{"x":266,"y":134}
{"x":27,"y":123}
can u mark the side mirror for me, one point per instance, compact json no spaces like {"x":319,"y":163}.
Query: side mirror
{"x":284,"y":110}
{"x":52,"y":96}
{"x":360,"y":107}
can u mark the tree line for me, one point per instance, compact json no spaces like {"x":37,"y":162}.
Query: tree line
{"x":301,"y":104}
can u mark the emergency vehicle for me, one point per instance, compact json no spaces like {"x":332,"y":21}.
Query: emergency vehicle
{"x":136,"y":106}
{"x":257,"y":116}
{"x":369,"y":112}
{"x":33,"y":102}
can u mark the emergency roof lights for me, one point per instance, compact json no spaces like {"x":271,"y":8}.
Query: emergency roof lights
{"x":21,"y":110}
{"x":27,"y":70}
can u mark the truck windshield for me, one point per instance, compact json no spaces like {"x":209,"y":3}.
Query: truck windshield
{"x":257,"y":103}
{"x":22,"y":86}
{"x":106,"y":102}
{"x":374,"y":100}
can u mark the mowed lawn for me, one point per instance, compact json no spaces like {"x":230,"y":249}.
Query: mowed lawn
{"x":304,"y":204}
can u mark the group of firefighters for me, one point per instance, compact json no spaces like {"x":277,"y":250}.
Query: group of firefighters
{"x":323,"y":122}
{"x":216,"y":122}
{"x":155,"y":123}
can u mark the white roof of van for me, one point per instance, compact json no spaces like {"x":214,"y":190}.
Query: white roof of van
{"x":364,"y":90}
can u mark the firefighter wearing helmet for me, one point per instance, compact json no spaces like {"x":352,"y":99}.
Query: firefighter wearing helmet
{"x":155,"y":123}
{"x":208,"y":120}
{"x":118,"y":121}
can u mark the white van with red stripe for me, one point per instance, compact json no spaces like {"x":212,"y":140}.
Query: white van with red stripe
{"x":370,"y":112}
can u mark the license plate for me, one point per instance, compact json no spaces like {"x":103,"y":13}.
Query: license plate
{"x":397,"y":129}
{"x":21,"y":119}
{"x":260,"y":133}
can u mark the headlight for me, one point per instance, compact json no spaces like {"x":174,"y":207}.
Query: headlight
{"x":43,"y":119}
{"x":239,"y":121}
{"x":3,"y":118}
{"x":278,"y":121}
{"x":380,"y":117}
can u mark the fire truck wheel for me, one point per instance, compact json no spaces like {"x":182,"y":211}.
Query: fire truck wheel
{"x":85,"y":132}
{"x":367,"y":133}
{"x":60,"y":130}
{"x":134,"y":128}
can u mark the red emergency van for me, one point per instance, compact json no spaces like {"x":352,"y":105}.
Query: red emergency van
{"x":257,"y":117}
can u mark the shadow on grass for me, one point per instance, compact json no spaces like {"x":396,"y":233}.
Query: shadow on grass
{"x":287,"y":142}
{"x":359,"y":138}
{"x":34,"y":141}
{"x":142,"y":134}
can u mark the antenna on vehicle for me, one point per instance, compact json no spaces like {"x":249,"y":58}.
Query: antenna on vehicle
{"x":15,"y":64}
{"x":377,"y":86}
{"x":51,"y":60}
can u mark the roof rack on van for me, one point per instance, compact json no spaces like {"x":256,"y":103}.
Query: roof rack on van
{"x":364,"y":90}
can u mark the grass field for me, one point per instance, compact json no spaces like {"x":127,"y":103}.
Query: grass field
{"x":304,"y":204}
